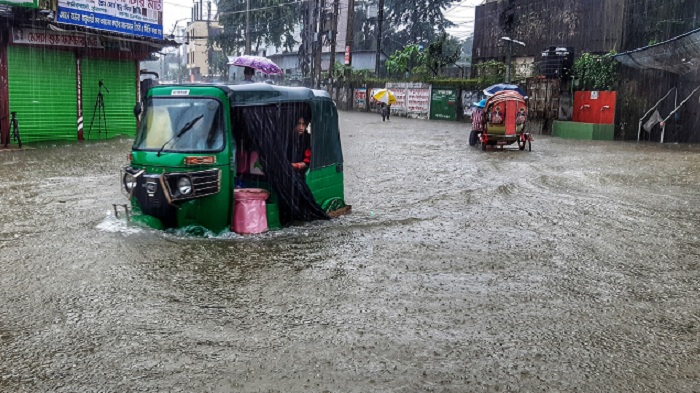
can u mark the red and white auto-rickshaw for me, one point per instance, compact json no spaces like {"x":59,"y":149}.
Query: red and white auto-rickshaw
{"x":505,"y":114}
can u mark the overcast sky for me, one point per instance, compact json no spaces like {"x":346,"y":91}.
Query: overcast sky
{"x":173,"y":10}
{"x":461,"y":13}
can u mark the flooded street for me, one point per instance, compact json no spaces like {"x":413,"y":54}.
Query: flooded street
{"x":571,"y":268}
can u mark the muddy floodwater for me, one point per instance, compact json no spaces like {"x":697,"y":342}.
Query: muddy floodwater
{"x":571,"y":268}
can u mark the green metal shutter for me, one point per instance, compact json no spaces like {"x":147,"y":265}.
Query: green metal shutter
{"x":119,"y":77}
{"x":41,"y":84}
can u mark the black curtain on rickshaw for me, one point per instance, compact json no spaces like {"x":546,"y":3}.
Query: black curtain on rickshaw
{"x":269,"y":130}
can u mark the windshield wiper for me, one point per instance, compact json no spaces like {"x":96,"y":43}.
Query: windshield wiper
{"x":180,"y":133}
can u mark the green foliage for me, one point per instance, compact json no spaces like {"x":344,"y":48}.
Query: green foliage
{"x":339,"y":70}
{"x":359,"y":76}
{"x":413,"y":21}
{"x":405,"y":61}
{"x":595,"y":72}
{"x":219,"y":64}
{"x":442,"y":53}
{"x":343,"y":74}
{"x":464,"y":84}
{"x":412,"y":61}
{"x":491,"y":72}
{"x":271,"y":22}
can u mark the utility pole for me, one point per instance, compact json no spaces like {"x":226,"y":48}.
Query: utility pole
{"x":350,"y":32}
{"x":334,"y":34}
{"x":209,"y":45}
{"x":247,"y":27}
{"x":380,"y":20}
{"x":318,"y":42}
{"x":509,"y":49}
{"x":309,"y":55}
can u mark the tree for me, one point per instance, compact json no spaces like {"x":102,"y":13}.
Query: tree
{"x":467,"y":46}
{"x":490,"y":72}
{"x":270,"y":22}
{"x":413,"y":22}
{"x":410,"y":61}
{"x":442,"y":53}
{"x":219,"y":64}
{"x":365,"y":26}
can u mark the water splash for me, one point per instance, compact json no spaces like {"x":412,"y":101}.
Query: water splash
{"x":118,"y":225}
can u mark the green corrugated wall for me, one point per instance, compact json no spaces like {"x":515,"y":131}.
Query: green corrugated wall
{"x":119,"y":77}
{"x":42,"y":91}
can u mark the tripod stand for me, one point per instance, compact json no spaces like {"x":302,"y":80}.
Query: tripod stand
{"x":99,"y":111}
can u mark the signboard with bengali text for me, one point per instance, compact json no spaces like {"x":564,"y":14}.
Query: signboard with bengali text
{"x":413,"y":98}
{"x":54,"y":38}
{"x":142,"y":18}
{"x":442,"y":104}
{"x":418,"y":101}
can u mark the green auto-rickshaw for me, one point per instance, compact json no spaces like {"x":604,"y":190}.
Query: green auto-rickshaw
{"x":197,"y":144}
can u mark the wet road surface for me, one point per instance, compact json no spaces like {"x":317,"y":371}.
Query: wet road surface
{"x":574,"y":267}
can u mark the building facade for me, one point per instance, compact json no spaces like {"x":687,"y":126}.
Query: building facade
{"x":71,"y":74}
{"x":599,"y":27}
{"x":200,"y":52}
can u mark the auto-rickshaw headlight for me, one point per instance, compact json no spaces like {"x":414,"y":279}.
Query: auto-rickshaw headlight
{"x":184,"y":185}
{"x":129,"y":182}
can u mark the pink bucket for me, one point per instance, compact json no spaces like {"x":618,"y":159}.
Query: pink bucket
{"x":249,"y":213}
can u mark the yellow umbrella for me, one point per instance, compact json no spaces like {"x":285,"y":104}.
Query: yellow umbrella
{"x":384,"y":95}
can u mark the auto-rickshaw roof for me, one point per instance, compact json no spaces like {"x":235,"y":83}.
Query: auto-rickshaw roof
{"x":264,"y":93}
{"x":261,"y":93}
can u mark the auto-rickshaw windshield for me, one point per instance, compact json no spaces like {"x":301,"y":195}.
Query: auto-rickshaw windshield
{"x":164,"y":125}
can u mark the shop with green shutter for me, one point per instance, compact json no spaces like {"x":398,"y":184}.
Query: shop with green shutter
{"x":119,"y":95}
{"x":54,"y":79}
{"x":42,"y":92}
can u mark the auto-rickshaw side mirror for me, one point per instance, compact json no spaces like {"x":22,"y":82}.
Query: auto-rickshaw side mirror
{"x":138,"y":108}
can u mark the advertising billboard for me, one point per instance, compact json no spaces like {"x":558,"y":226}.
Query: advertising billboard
{"x":142,"y":18}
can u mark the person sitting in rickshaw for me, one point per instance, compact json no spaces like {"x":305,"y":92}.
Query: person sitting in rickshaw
{"x":301,"y":146}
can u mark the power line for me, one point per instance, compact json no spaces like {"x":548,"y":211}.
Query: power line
{"x":263,"y":8}
{"x":177,"y":5}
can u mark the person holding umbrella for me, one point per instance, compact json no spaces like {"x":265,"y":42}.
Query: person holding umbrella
{"x":386,"y":97}
{"x":248,"y":73}
{"x":253,"y":63}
